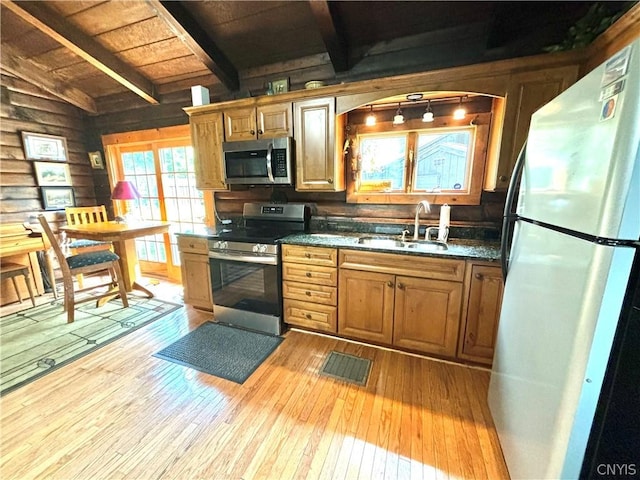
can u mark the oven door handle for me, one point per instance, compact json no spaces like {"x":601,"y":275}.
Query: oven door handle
{"x":269,"y":167}
{"x":265,"y":260}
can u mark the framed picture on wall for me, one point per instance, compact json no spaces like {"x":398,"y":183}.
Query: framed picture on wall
{"x":52,"y":174}
{"x":57,"y":198}
{"x":96,"y":160}
{"x":39,"y":146}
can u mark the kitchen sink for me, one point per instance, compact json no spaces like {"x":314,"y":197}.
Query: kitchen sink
{"x":427,"y":245}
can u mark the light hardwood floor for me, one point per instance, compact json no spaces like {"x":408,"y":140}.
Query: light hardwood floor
{"x":122,"y":413}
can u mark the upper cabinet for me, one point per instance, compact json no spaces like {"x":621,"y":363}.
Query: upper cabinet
{"x":319,"y":135}
{"x":526,"y":93}
{"x":206,"y":136}
{"x":251,"y":123}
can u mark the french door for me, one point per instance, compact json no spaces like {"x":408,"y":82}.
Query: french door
{"x":162,"y":169}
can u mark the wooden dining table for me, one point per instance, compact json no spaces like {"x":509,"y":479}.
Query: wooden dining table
{"x":123,"y":236}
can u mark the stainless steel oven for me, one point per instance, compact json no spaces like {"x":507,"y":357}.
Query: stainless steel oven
{"x":246,"y":274}
{"x":246,"y":285}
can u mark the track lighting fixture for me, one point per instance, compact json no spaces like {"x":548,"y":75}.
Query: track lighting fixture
{"x":371,"y":118}
{"x":428,"y":114}
{"x":398,"y":119}
{"x":459,"y":113}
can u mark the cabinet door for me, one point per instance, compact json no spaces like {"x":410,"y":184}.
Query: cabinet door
{"x":477,"y":341}
{"x":319,"y":162}
{"x":527,"y":93}
{"x":240,"y":124}
{"x":206,"y":136}
{"x":427,"y":315}
{"x":275,"y":121}
{"x":196,"y":280}
{"x":365,"y":305}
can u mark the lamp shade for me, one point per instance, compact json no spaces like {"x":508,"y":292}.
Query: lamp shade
{"x":125,"y":190}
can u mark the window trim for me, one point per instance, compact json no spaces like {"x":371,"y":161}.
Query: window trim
{"x":481,"y":121}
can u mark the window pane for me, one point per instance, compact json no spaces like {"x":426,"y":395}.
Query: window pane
{"x":382,"y":162}
{"x":443,"y":160}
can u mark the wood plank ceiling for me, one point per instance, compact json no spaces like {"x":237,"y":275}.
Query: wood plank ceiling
{"x":88,"y":52}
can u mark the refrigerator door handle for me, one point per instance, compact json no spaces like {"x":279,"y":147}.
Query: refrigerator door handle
{"x":509,"y":216}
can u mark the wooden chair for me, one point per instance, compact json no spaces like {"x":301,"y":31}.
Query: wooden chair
{"x":92,"y":262}
{"x":12,"y":270}
{"x":81,"y":216}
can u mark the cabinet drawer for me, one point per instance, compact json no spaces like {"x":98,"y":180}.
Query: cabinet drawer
{"x":310,"y":255}
{"x":310,"y":273}
{"x":193,"y":244}
{"x":409,"y":265}
{"x":310,"y":315}
{"x":309,"y":292}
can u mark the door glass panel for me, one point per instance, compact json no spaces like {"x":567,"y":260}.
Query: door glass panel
{"x":184,"y":203}
{"x":139,"y":168}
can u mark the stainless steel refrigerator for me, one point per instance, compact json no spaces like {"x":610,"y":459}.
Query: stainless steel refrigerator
{"x":566,"y":371}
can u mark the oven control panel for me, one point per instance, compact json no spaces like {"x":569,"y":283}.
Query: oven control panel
{"x":259,"y":248}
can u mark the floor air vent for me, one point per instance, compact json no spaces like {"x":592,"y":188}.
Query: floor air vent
{"x":346,"y":367}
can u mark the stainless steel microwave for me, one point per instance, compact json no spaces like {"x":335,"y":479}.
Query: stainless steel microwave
{"x":258,"y":162}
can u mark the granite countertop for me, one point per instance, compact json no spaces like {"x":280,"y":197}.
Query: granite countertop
{"x":457,"y":248}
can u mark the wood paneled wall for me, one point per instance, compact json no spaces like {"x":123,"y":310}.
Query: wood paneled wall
{"x":25,"y":107}
{"x":333,"y":206}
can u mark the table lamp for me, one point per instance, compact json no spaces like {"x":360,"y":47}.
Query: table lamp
{"x":124,"y":190}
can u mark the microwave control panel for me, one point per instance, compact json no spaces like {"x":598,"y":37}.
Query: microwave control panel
{"x":279,"y":162}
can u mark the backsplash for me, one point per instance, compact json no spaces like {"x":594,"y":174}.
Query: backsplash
{"x":331,"y":212}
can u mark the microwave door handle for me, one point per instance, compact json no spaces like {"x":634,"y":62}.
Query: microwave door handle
{"x":269,"y":169}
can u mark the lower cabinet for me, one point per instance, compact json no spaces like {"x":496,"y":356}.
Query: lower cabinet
{"x":418,"y":310}
{"x":366,"y":305}
{"x":427,"y":315}
{"x":196,"y":277}
{"x":437,"y":306}
{"x":309,"y":287}
{"x":481,"y":312}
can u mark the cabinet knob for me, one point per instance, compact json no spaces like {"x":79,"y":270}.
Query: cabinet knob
{"x":308,"y":315}
{"x":389,"y":283}
{"x":260,"y":132}
{"x":502,"y":178}
{"x":308,"y":255}
{"x":308,"y":293}
{"x":329,"y":180}
{"x":478,"y":276}
{"x":308,"y":274}
{"x":252,"y":132}
{"x":400,"y":286}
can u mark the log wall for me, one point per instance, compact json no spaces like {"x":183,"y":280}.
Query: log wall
{"x":27,"y":108}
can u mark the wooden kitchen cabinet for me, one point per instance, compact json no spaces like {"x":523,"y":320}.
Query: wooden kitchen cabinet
{"x":526,"y":93}
{"x":196,"y":277}
{"x":427,"y":315}
{"x":319,"y":136}
{"x":406,"y":301}
{"x":483,"y":299}
{"x":365,"y":305}
{"x":207,"y":138}
{"x":309,"y":287}
{"x":252,"y":123}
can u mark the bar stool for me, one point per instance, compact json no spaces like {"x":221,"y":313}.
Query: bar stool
{"x":13,"y":270}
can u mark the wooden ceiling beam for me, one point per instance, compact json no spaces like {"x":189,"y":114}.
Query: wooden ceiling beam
{"x":36,"y":74}
{"x":332,"y":34}
{"x":47,"y":21}
{"x":187,"y":29}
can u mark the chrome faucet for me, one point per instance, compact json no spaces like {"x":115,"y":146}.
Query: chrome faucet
{"x":427,"y":208}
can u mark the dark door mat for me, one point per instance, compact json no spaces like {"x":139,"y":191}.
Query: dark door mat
{"x":346,"y":367}
{"x":226,"y":352}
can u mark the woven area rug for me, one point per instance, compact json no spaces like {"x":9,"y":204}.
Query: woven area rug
{"x":39,"y":340}
{"x":226,"y":352}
